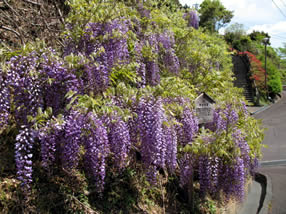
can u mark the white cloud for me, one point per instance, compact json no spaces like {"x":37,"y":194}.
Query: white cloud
{"x":249,"y":12}
{"x":273,"y":29}
{"x":277,"y":32}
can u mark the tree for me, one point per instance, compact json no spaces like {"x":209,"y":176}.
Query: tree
{"x":282,"y":51}
{"x":282,"y":55}
{"x":235,"y":35}
{"x":236,"y":28}
{"x":259,"y":36}
{"x":214,"y":15}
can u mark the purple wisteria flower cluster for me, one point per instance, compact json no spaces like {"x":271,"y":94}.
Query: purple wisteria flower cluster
{"x":50,"y":137}
{"x":97,"y":149}
{"x":26,"y":86}
{"x":153,"y":148}
{"x":221,"y":173}
{"x":72,"y":139}
{"x":105,"y":45}
{"x":186,"y":164}
{"x":4,"y":99}
{"x":23,"y":156}
{"x":141,"y":68}
{"x":119,"y":140}
{"x":193,"y":19}
{"x":56,"y":81}
{"x":189,"y":128}
{"x":171,"y":140}
{"x":170,"y":59}
{"x":163,"y":56}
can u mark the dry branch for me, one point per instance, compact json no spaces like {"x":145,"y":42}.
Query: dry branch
{"x":27,"y":20}
{"x":32,"y":2}
{"x":11,"y":8}
{"x":13,"y":31}
{"x":60,"y":13}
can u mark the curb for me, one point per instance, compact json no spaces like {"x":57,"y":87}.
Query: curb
{"x":267,"y":106}
{"x":261,"y":110}
{"x":266,"y":193}
{"x":258,"y":199}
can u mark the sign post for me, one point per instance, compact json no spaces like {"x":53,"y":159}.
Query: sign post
{"x":204,"y":106}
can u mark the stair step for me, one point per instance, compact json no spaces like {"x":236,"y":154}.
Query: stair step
{"x":242,"y":78}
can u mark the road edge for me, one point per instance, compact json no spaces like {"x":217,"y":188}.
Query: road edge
{"x":269,"y":105}
{"x":265,"y":202}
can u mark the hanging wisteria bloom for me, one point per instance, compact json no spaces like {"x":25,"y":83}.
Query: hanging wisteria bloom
{"x":103,"y":54}
{"x":244,"y":109}
{"x":141,"y":67}
{"x":152,"y":66}
{"x":26,"y":86}
{"x":223,"y":119}
{"x":50,"y":136}
{"x":190,"y":126}
{"x":231,"y":116}
{"x":193,"y":19}
{"x":97,"y":149}
{"x":145,"y":13}
{"x":56,"y":81}
{"x":4,"y":99}
{"x":171,"y":148}
{"x":170,"y":60}
{"x":204,"y":173}
{"x":119,"y":140}
{"x":23,"y":156}
{"x":153,"y":148}
{"x":72,"y":139}
{"x":242,"y":144}
{"x":186,"y":169}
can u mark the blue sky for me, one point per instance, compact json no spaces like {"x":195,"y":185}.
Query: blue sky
{"x":260,"y":15}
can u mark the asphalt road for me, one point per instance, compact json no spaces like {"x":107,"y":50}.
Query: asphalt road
{"x":274,"y":157}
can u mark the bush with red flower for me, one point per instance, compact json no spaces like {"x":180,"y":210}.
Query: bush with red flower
{"x":256,"y":69}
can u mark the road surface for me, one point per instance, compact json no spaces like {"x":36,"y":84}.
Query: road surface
{"x":274,"y":157}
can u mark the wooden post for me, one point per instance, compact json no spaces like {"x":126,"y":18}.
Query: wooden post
{"x":191,"y":193}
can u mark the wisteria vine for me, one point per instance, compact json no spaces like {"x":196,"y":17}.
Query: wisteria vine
{"x":93,"y":134}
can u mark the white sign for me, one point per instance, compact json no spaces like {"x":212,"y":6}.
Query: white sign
{"x":204,"y":108}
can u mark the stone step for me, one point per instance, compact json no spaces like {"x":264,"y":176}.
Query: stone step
{"x":242,"y":78}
